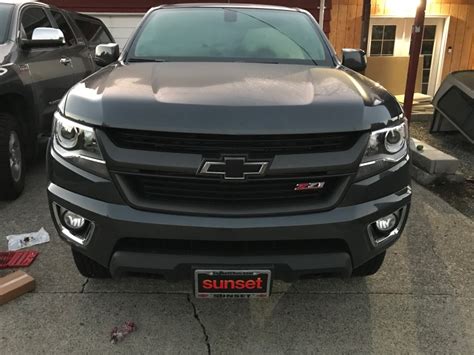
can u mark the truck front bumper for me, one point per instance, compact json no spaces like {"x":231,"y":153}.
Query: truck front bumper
{"x":125,"y":239}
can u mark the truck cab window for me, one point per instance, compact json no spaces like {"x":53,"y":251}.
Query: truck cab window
{"x":93,"y":31}
{"x":32,"y":18}
{"x":5,"y":16}
{"x":64,"y":27}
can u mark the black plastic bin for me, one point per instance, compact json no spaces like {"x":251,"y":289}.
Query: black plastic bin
{"x":454,"y":104}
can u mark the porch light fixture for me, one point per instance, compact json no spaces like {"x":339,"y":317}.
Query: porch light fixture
{"x":401,"y":7}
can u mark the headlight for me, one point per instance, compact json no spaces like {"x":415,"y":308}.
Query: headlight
{"x":396,"y":139}
{"x":77,"y":144}
{"x":67,"y":134}
{"x":386,"y":147}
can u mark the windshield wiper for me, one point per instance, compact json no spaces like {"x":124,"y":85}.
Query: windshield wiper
{"x":257,"y":61}
{"x":146,"y":60}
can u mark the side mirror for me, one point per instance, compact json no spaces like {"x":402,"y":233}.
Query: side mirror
{"x":106,"y":54}
{"x":354,"y":59}
{"x":44,"y":37}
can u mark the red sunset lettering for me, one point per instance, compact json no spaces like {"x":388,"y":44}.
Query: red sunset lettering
{"x":232,"y":284}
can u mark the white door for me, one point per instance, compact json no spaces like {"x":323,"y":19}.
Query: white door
{"x":391,"y":37}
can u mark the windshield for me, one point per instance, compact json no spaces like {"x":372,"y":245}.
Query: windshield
{"x":5,"y":14}
{"x":229,"y":34}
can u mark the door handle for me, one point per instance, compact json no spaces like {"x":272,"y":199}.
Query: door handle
{"x":65,"y":61}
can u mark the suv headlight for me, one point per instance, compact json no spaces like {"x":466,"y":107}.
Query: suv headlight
{"x":78,"y":145}
{"x":386,"y":147}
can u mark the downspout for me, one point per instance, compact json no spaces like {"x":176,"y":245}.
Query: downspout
{"x":364,"y":38}
{"x":322,"y":7}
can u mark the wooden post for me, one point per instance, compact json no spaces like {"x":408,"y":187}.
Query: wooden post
{"x":415,"y":49}
{"x":364,"y":38}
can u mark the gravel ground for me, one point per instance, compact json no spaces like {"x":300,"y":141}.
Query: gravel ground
{"x":460,"y":196}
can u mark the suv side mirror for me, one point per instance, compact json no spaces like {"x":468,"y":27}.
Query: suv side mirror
{"x":354,"y":59}
{"x":106,"y":54}
{"x":44,"y":37}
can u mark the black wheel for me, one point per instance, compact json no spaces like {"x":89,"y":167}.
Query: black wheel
{"x":12,"y":159}
{"x":88,"y":267}
{"x":370,"y":267}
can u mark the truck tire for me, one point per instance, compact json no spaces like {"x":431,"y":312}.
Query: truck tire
{"x":12,"y":159}
{"x":370,"y":267}
{"x":88,"y":267}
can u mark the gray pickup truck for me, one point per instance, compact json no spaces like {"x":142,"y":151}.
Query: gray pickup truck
{"x":43,"y":52}
{"x":228,"y":145}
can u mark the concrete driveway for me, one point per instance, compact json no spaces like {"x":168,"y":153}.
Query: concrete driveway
{"x":422,"y":301}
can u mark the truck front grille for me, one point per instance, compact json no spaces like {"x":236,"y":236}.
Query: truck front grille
{"x":156,"y":187}
{"x":211,"y":196}
{"x":169,"y":189}
{"x":221,"y":144}
{"x":219,"y":247}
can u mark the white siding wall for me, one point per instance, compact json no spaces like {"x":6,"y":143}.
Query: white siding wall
{"x":121,"y":25}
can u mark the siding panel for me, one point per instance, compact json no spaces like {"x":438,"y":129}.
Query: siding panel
{"x":468,"y":38}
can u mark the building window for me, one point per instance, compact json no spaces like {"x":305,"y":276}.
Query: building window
{"x":427,"y":48}
{"x":383,"y":40}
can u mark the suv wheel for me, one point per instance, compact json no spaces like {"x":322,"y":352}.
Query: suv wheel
{"x":370,"y":267}
{"x":12,"y":163}
{"x":88,"y":267}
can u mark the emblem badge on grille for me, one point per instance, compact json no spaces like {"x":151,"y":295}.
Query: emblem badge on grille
{"x":309,"y":186}
{"x":233,"y":168}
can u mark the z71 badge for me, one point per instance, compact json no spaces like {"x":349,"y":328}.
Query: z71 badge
{"x":309,"y":186}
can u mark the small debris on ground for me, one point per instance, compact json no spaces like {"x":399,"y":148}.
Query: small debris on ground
{"x":119,"y":333}
{"x":20,"y":241}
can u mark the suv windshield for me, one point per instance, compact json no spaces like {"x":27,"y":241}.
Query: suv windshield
{"x":229,"y":34}
{"x":5,"y":14}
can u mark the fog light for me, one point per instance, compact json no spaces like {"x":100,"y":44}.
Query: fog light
{"x":72,"y":226}
{"x":73,"y":221}
{"x":387,"y":223}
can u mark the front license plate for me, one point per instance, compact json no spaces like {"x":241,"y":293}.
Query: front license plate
{"x":232,"y":283}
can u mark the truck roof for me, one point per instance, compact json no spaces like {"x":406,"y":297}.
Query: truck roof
{"x":18,"y":2}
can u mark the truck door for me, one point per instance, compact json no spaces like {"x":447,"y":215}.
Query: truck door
{"x":75,"y":51}
{"x":43,"y":69}
{"x":94,"y":31}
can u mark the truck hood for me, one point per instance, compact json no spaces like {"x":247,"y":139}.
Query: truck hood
{"x":229,"y":98}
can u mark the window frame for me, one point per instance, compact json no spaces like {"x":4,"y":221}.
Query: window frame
{"x":79,"y":17}
{"x":27,"y":7}
{"x":68,"y":23}
{"x":383,"y":40}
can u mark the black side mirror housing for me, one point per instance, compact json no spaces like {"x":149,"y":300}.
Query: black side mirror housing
{"x":354,"y":59}
{"x":106,"y":54}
